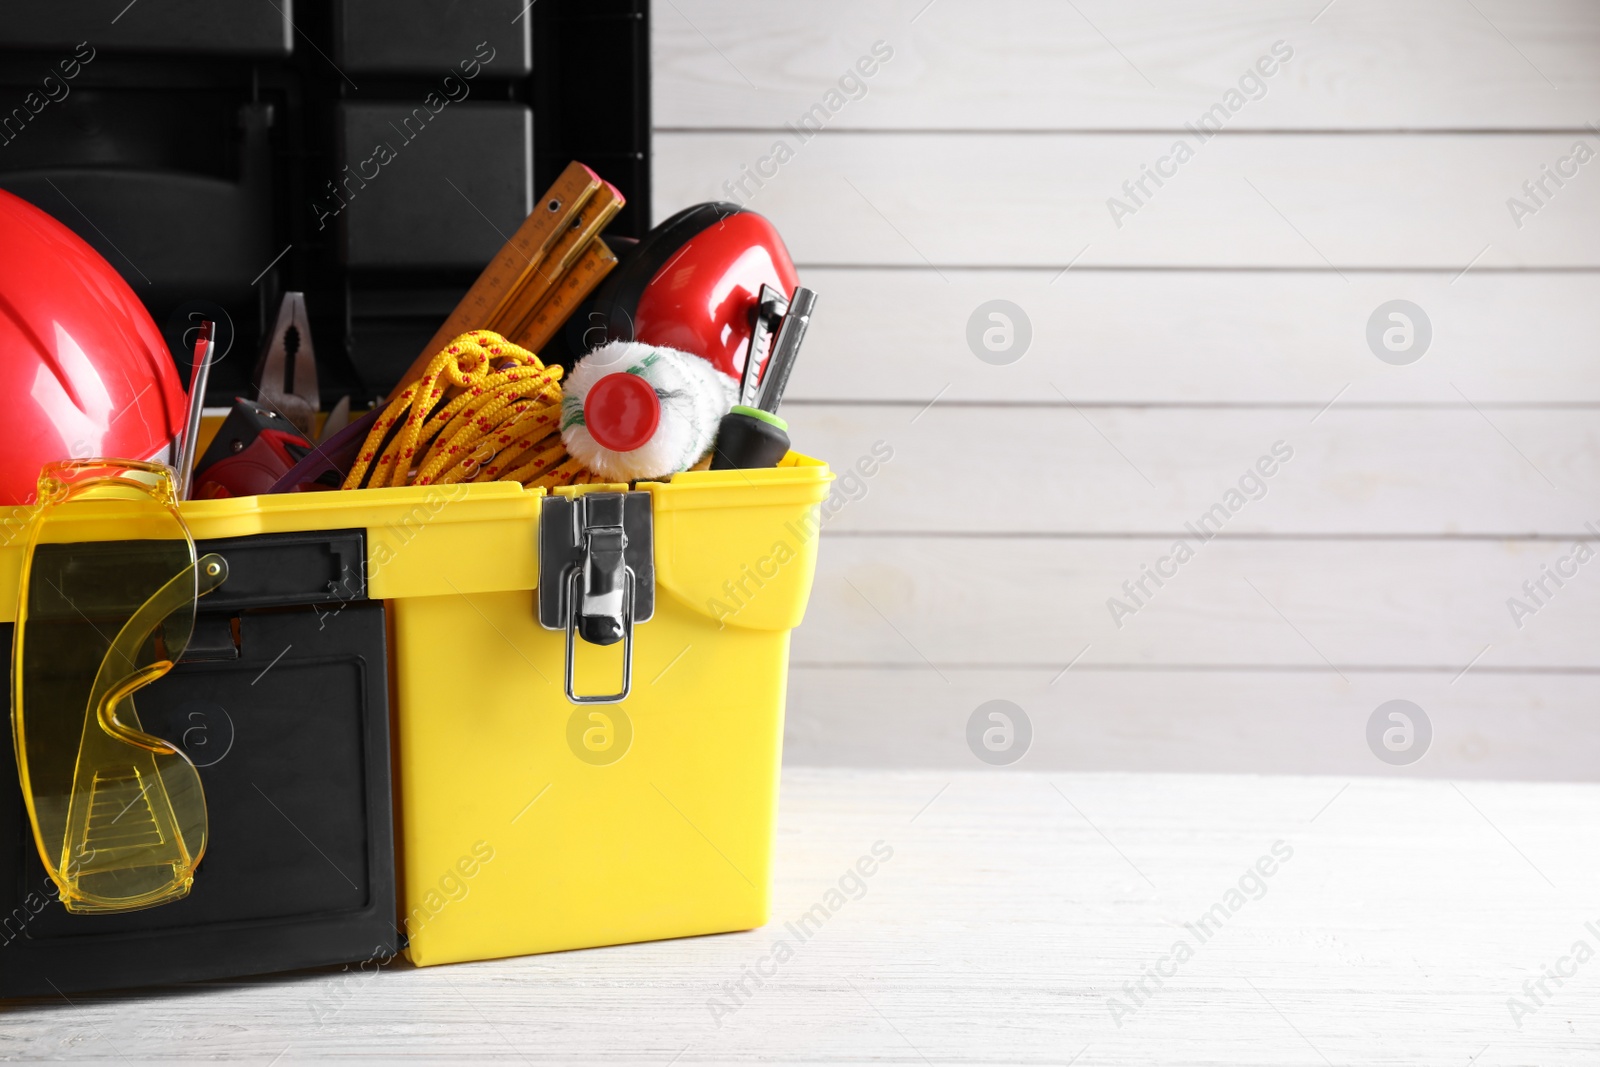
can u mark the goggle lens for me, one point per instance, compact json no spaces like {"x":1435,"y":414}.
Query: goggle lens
{"x":108,"y":605}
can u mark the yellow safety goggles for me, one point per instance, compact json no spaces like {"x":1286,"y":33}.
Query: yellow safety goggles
{"x":108,"y":592}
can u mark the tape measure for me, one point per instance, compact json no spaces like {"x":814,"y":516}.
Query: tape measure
{"x":558,"y":228}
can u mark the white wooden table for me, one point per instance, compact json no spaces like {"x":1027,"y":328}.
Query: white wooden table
{"x":1014,"y":908}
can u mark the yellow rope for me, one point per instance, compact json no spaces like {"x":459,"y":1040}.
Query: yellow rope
{"x":533,"y":429}
{"x":482,"y":408}
{"x":508,"y":410}
{"x":541,"y":464}
{"x":462,"y":357}
{"x":516,"y":424}
{"x":462,"y":364}
{"x":462,"y":437}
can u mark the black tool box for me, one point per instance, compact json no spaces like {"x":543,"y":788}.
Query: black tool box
{"x":207,"y":151}
{"x":286,"y":716}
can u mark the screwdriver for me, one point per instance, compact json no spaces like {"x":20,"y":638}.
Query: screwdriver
{"x":752,"y":435}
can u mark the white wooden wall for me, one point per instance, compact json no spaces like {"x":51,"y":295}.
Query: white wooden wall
{"x":1170,"y":352}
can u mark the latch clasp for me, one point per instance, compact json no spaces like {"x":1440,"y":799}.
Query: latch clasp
{"x":597,"y":575}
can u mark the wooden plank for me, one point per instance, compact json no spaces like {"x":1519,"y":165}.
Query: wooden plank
{"x":1199,"y":337}
{"x":1349,"y":470}
{"x":1335,"y":606}
{"x":1521,"y":726}
{"x":1036,"y":64}
{"x":1310,"y":201}
{"x":1394,"y":925}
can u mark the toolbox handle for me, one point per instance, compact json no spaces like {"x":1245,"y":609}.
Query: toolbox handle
{"x":573,"y":603}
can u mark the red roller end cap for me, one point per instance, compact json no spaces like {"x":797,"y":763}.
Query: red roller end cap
{"x":621,"y":412}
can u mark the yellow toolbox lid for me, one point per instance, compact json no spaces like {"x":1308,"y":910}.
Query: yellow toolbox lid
{"x":444,"y":539}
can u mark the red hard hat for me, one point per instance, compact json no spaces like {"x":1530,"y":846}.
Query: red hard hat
{"x":84,"y":372}
{"x":692,"y":284}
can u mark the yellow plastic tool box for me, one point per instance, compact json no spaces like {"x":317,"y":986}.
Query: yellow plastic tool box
{"x":553,"y":793}
{"x":531,"y":823}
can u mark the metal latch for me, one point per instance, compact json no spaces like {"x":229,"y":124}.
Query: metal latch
{"x":597,"y":575}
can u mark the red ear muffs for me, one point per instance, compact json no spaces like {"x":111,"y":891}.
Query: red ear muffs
{"x":692,"y":284}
